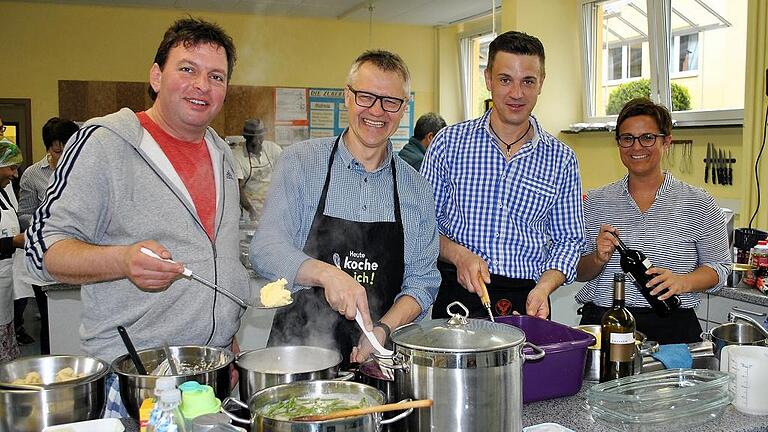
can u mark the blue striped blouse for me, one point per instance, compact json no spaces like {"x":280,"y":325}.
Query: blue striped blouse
{"x":683,"y":230}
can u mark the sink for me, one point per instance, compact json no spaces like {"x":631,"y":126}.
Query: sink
{"x":702,"y":353}
{"x":707,"y":361}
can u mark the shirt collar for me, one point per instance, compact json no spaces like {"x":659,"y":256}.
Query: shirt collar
{"x":665,"y":184}
{"x":45,"y":163}
{"x":349,"y":159}
{"x":485,"y":120}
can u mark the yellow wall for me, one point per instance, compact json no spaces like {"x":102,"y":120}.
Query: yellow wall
{"x":45,"y":43}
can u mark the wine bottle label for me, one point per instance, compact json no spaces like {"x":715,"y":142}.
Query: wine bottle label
{"x":622,"y":347}
{"x":647,"y":263}
{"x":622,"y":338}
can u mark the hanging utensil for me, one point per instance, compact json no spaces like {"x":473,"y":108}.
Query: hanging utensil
{"x":188,"y":273}
{"x":730,"y":168}
{"x":422,"y":403}
{"x":707,"y":162}
{"x":371,"y":337}
{"x":131,"y":350}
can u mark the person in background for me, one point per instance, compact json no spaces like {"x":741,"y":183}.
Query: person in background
{"x":256,"y":167}
{"x":427,"y":126}
{"x":11,"y":238}
{"x":160,"y":179}
{"x":350,"y":226}
{"x":679,"y":227}
{"x":508,"y":194}
{"x":32,"y":190}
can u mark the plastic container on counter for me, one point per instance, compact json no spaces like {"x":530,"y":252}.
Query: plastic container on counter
{"x":561,"y":371}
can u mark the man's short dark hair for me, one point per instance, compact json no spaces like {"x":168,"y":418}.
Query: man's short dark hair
{"x":58,"y":129}
{"x":48,"y":128}
{"x":429,"y":122}
{"x":192,"y":32}
{"x":644,"y":106}
{"x":514,"y":42}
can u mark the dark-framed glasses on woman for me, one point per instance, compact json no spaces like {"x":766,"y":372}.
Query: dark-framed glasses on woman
{"x":366,"y":100}
{"x":646,"y":140}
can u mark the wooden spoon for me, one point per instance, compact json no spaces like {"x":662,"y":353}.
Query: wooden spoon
{"x":422,"y":403}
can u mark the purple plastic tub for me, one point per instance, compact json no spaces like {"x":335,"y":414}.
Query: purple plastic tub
{"x":561,"y":371}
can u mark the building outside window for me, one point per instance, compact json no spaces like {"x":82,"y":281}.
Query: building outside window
{"x":686,"y":54}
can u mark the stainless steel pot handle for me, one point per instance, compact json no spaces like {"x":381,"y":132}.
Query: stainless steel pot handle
{"x":232,"y":416}
{"x":344,"y":376}
{"x":400,"y":416}
{"x":538,"y":352}
{"x":705,"y":335}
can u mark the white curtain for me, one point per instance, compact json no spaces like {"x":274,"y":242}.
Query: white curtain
{"x":465,"y":70}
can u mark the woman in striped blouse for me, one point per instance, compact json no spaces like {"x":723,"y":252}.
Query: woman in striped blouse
{"x":679,"y":227}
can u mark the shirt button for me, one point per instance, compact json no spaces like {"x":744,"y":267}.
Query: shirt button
{"x":365,"y":179}
{"x":498,"y":234}
{"x":365,"y":207}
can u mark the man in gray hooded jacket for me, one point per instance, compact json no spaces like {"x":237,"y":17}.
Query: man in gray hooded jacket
{"x":159,"y":179}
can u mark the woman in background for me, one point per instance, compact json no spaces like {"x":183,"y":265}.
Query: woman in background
{"x":10,"y":239}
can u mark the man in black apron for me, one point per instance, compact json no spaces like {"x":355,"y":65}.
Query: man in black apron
{"x":356,"y":263}
{"x":507,"y":194}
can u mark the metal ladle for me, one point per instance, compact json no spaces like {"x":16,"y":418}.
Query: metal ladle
{"x":188,"y":273}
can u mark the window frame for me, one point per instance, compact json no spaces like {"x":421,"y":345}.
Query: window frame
{"x":661,"y":76}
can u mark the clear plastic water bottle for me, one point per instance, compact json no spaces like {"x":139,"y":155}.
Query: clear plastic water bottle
{"x":166,"y":415}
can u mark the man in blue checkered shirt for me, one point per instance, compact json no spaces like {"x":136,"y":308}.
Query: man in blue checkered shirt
{"x":507,"y":193}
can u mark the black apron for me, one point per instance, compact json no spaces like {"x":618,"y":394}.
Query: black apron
{"x":371,"y":252}
{"x":506,"y":294}
{"x":680,"y":326}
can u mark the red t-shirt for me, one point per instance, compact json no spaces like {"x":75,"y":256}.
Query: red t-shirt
{"x":192,"y":163}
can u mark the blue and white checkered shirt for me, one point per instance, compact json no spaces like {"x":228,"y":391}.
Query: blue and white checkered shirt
{"x":523,"y":216}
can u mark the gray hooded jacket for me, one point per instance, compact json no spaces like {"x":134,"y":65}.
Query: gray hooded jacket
{"x":107,"y":191}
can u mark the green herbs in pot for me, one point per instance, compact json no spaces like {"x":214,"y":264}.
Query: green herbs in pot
{"x":299,"y":406}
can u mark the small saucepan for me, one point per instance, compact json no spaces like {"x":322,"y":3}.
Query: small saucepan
{"x":271,"y":366}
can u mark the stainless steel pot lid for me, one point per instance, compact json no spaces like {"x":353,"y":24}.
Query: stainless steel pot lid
{"x":458,"y":334}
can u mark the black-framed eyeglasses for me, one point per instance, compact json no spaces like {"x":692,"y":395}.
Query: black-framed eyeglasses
{"x":366,"y":100}
{"x":646,"y":139}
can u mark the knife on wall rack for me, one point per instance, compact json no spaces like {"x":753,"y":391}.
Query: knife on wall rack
{"x":707,"y":162}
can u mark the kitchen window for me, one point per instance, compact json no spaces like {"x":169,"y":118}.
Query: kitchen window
{"x":688,"y":55}
{"x":474,"y":59}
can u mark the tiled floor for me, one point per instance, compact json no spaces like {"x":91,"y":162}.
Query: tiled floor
{"x":32,"y":324}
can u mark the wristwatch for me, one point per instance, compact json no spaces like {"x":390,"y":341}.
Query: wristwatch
{"x":387,"y":330}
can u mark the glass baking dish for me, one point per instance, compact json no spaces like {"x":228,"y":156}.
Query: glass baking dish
{"x":646,"y":402}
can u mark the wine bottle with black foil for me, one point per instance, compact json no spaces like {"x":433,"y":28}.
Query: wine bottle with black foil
{"x":636,"y":264}
{"x":617,"y":337}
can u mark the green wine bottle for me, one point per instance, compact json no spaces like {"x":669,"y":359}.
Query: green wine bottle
{"x":617,"y":334}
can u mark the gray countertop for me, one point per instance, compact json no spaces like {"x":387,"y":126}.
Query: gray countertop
{"x":572,"y":413}
{"x":749,"y":295}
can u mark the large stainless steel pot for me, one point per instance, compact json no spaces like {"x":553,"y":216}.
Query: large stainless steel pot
{"x":734,"y":334}
{"x":271,"y":366}
{"x":470,"y":368}
{"x":134,"y":388}
{"x":33,"y":410}
{"x":314,"y":389}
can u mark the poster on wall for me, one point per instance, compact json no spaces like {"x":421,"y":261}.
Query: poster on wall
{"x":291,"y":116}
{"x":328,"y":116}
